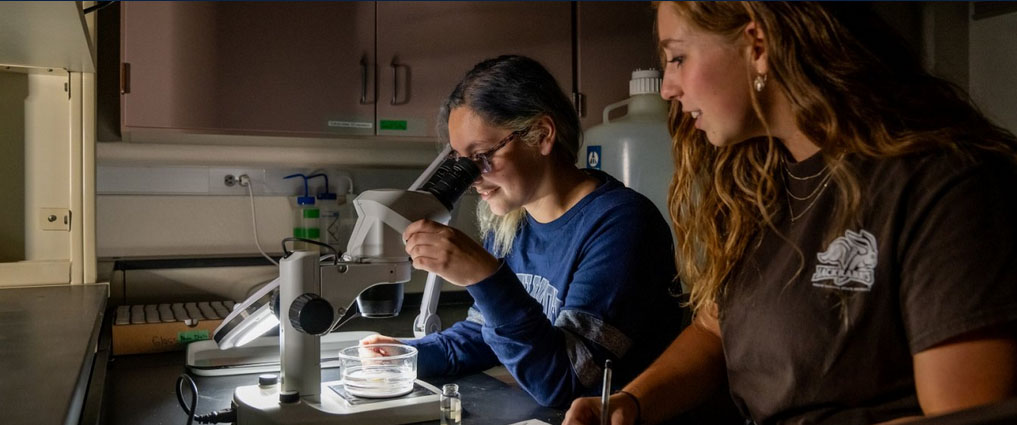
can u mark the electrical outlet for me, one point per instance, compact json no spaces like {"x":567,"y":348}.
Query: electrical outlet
{"x":226,"y":181}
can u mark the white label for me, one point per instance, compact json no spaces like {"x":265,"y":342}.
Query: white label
{"x":350,"y":124}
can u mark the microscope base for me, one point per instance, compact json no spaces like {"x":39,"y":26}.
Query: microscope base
{"x":258,"y":405}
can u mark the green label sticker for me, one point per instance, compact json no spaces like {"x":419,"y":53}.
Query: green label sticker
{"x":311,"y":213}
{"x":306,"y":232}
{"x":392,"y":124}
{"x":186,"y":337}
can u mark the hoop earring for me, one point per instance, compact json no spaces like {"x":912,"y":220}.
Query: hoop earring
{"x":759,"y":82}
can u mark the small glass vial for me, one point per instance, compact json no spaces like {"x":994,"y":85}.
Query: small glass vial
{"x":451,"y":405}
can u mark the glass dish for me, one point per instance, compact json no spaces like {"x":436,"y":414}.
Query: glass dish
{"x":378,"y":370}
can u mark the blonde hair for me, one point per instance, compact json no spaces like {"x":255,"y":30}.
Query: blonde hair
{"x":514,"y":92}
{"x":836,"y":76}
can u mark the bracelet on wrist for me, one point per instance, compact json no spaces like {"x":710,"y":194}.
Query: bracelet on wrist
{"x":639,"y":409}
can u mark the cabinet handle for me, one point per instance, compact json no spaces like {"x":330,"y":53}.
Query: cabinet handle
{"x":125,"y":78}
{"x":395,"y":83}
{"x":363,"y":80}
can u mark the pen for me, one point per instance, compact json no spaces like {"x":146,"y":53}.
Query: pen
{"x":605,"y":393}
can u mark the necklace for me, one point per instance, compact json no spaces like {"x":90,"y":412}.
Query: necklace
{"x":788,"y":171}
{"x":819,"y":187}
{"x":815,"y":195}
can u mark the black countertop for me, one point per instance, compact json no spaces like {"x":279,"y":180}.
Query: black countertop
{"x":48,"y":338}
{"x":141,"y":388}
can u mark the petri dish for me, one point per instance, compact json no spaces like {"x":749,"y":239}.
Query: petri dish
{"x":378,"y":370}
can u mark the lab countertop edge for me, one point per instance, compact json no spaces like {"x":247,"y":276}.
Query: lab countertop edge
{"x":48,"y":341}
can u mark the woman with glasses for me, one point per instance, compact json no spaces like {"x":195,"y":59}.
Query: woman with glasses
{"x":574,"y":269}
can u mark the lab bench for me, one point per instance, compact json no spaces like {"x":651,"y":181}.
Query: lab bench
{"x":140,"y":389}
{"x":51,"y":363}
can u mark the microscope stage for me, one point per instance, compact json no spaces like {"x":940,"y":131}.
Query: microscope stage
{"x":260,"y":405}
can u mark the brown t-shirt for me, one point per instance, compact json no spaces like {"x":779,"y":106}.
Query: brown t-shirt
{"x":827,"y":335}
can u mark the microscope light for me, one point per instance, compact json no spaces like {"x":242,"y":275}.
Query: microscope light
{"x":257,"y":325}
{"x":249,"y":319}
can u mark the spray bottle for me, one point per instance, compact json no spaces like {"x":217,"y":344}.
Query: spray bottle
{"x":307,"y":223}
{"x":331,"y":231}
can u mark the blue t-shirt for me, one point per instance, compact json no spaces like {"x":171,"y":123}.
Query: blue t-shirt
{"x":596,"y":283}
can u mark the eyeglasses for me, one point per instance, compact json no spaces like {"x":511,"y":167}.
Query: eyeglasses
{"x":483,"y":159}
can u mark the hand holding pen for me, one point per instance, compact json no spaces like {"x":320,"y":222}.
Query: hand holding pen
{"x":598,"y":410}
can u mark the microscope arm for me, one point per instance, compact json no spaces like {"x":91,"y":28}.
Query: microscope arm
{"x":428,"y":322}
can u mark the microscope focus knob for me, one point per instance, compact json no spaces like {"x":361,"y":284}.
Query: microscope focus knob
{"x":311,"y":314}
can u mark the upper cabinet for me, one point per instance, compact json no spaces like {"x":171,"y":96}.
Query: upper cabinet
{"x":46,"y":35}
{"x":291,"y":68}
{"x":325,"y":69}
{"x":425,"y":48}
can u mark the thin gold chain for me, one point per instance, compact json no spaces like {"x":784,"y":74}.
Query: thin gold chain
{"x":788,"y":171}
{"x":817,"y":192}
{"x":809,"y":196}
{"x":794,"y":218}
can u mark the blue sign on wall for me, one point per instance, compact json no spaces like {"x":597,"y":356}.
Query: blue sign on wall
{"x":593,"y":157}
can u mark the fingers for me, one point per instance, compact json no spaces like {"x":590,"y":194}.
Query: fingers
{"x":574,"y":416}
{"x":425,"y":226}
{"x":379,"y":339}
{"x":430,"y":264}
{"x":430,"y":238}
{"x":366,"y":349}
{"x":431,"y":246}
{"x":583,"y":411}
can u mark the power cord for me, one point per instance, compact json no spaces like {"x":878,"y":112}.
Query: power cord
{"x":245,"y":181}
{"x":228,"y":415}
{"x":335,"y":255}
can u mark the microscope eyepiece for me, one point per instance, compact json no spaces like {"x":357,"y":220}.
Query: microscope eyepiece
{"x":452,"y":178}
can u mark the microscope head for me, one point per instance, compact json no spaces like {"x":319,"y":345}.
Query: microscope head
{"x":396,"y":209}
{"x":383,"y":215}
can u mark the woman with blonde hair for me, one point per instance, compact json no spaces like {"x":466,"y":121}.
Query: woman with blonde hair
{"x":844,"y":220}
{"x":575,"y":268}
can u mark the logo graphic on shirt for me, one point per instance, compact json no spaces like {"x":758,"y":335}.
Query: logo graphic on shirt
{"x":541,"y":290}
{"x":849,"y":258}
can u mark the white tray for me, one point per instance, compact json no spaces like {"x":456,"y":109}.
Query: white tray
{"x":204,"y":358}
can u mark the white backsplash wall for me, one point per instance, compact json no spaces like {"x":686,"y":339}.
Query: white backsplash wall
{"x":188,"y":225}
{"x":163,"y":212}
{"x":190,"y":211}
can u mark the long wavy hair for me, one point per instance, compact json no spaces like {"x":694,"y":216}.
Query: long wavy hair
{"x":514,"y":92}
{"x":855,"y":91}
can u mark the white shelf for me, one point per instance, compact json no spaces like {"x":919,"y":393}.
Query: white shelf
{"x":46,"y":34}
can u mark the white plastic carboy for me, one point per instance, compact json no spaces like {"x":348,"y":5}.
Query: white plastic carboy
{"x":636,"y":147}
